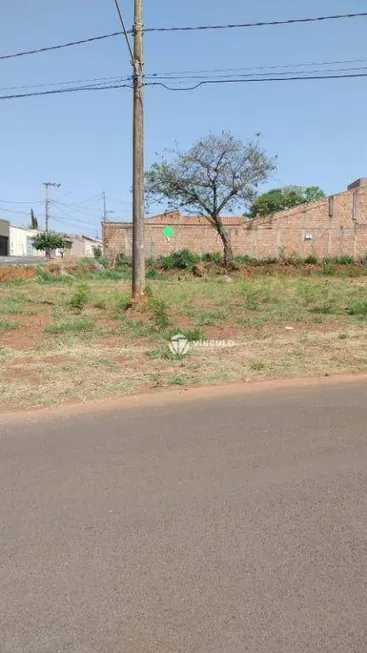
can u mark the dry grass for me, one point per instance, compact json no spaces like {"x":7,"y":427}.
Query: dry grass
{"x":55,"y":349}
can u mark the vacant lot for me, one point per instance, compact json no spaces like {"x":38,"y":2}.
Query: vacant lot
{"x":65,"y":340}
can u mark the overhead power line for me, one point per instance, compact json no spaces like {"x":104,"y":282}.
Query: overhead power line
{"x":198,"y":74}
{"x":236,"y":80}
{"x":255,"y":79}
{"x":274,"y":23}
{"x":181,"y":73}
{"x":124,"y":30}
{"x":16,"y":96}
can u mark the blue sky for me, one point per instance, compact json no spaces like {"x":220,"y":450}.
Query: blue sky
{"x":83,"y":140}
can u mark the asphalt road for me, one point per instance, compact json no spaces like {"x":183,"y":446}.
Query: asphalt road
{"x":222,"y":525}
{"x":22,"y":260}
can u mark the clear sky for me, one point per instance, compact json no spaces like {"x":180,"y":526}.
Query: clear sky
{"x":83,"y":140}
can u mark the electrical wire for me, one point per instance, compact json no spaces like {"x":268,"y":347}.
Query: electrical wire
{"x":95,"y":80}
{"x":273,"y":23}
{"x":249,"y":79}
{"x":124,"y":31}
{"x":198,"y":74}
{"x":102,"y":37}
{"x":182,"y":73}
{"x":254,"y":79}
{"x":224,"y":77}
{"x":63,"y":90}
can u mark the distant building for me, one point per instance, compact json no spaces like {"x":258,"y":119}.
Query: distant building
{"x":4,"y":237}
{"x":21,"y":241}
{"x":78,"y":246}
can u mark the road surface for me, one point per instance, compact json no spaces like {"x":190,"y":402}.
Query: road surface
{"x":215,"y":526}
{"x":22,"y":260}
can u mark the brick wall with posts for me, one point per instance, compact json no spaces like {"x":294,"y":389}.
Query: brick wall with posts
{"x":333,"y":226}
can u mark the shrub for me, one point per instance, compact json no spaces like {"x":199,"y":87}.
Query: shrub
{"x":346,"y":260}
{"x":311,"y":260}
{"x":151,"y":274}
{"x":123,"y":261}
{"x":244,"y":259}
{"x":97,"y":252}
{"x":123,"y":303}
{"x":213,"y":257}
{"x":80,"y":298}
{"x":159,"y":309}
{"x":182,"y":259}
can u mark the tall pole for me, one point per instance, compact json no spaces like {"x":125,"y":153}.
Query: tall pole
{"x":138,"y":155}
{"x":104,"y":207}
{"x":48,"y":185}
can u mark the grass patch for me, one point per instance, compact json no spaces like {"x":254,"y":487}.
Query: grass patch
{"x":178,"y":379}
{"x":12,"y":305}
{"x":257,"y":366}
{"x":5,"y":325}
{"x":358,"y":308}
{"x":72,"y":325}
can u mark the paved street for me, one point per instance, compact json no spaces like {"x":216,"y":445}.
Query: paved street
{"x":22,"y":260}
{"x":220,"y":525}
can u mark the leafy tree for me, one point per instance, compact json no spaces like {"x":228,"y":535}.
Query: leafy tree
{"x":218,"y":173}
{"x":34,"y":221}
{"x":48,"y":241}
{"x":280,"y":199}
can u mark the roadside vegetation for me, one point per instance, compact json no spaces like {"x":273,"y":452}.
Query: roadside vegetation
{"x":70,"y":335}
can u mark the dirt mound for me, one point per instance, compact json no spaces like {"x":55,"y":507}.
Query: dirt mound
{"x":9,"y":272}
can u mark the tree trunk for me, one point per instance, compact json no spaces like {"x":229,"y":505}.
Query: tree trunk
{"x":227,"y":246}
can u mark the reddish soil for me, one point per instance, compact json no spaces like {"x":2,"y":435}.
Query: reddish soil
{"x":9,"y":272}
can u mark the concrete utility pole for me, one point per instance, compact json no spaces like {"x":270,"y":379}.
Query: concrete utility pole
{"x":104,"y":207}
{"x":48,"y":185}
{"x":138,"y":155}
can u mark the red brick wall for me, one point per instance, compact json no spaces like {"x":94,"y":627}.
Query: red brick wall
{"x":285,"y":233}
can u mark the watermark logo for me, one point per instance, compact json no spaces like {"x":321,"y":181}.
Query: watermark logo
{"x":180,"y":346}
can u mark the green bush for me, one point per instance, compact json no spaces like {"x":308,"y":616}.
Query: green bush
{"x":80,"y":298}
{"x":339,"y":260}
{"x":159,"y":309}
{"x":213,"y":257}
{"x":181,"y":260}
{"x":123,"y":261}
{"x":151,"y":274}
{"x":123,"y":303}
{"x":311,"y":260}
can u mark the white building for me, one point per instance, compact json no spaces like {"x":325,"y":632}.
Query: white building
{"x":21,"y":241}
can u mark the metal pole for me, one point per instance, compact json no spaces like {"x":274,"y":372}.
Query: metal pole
{"x":138,"y":156}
